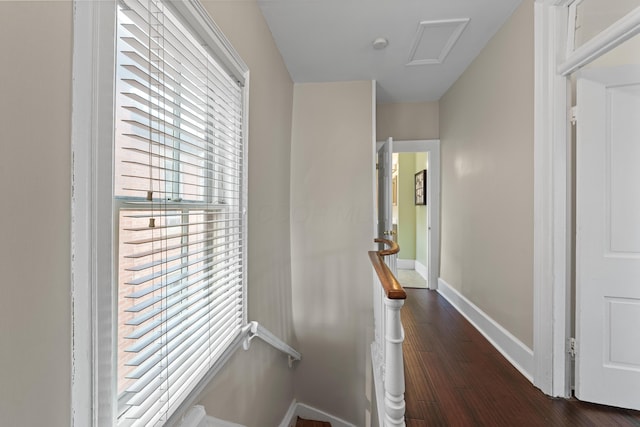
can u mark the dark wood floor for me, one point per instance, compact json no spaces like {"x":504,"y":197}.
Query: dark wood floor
{"x":454,"y":377}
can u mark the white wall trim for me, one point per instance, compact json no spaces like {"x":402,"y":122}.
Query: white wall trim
{"x":624,"y":29}
{"x":298,"y":409}
{"x":217,"y":422}
{"x":552,"y":189}
{"x":289,"y":418}
{"x":91,"y":214}
{"x":196,"y":416}
{"x":406,"y":264}
{"x":518,"y":354}
{"x":421,"y":269}
{"x":551,"y":232}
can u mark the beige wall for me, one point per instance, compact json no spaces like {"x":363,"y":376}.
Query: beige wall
{"x":407,"y":121}
{"x":35,"y":170}
{"x":331,"y":232}
{"x":486,"y":130}
{"x":256,"y":388}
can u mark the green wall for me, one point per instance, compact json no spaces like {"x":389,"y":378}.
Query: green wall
{"x":412,"y":219}
{"x":421,"y":217}
{"x":406,"y":207}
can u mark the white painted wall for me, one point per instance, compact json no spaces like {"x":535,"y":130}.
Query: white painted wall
{"x":35,"y":183}
{"x":256,"y":388}
{"x":331,"y":232}
{"x":486,"y":131}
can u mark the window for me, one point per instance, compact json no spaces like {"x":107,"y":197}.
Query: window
{"x":178,"y":210}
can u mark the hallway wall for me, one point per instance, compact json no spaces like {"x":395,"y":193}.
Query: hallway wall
{"x":407,"y":121}
{"x":35,"y":238}
{"x":332,"y":188}
{"x":486,"y":131}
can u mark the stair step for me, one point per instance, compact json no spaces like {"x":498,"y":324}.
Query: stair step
{"x":301,"y":422}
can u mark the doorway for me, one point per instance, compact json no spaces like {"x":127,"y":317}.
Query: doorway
{"x":562,"y":202}
{"x":416,"y":220}
{"x":410,"y":217}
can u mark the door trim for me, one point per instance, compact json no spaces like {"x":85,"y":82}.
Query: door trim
{"x":552,"y":185}
{"x":431,"y":146}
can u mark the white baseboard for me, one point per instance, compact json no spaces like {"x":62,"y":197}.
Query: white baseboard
{"x":196,"y":416}
{"x":297,"y":409}
{"x":406,"y":264}
{"x":216,"y":422}
{"x":289,"y":418}
{"x":518,"y":354}
{"x":421,"y":270}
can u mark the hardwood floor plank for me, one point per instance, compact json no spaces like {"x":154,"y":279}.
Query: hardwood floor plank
{"x":455,"y":377}
{"x":410,"y":422}
{"x":432,"y":414}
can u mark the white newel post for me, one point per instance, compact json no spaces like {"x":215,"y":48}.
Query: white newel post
{"x":393,"y":364}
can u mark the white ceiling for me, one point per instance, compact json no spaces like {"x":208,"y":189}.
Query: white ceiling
{"x":331,"y":40}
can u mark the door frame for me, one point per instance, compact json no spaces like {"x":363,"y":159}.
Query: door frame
{"x":432,"y":147}
{"x":555,"y":60}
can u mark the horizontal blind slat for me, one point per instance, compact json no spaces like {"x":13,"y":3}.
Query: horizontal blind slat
{"x":153,"y":134}
{"x":180,"y":57}
{"x":196,"y":304}
{"x":179,"y":346}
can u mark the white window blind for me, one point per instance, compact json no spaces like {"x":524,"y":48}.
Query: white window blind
{"x":179,"y":204}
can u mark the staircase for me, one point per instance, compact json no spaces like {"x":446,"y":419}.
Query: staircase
{"x":301,"y":422}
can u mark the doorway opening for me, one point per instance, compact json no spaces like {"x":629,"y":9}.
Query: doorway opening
{"x":410,"y":217}
{"x":578,"y":217}
{"x":409,"y":213}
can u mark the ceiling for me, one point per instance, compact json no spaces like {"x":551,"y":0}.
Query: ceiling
{"x":331,"y":40}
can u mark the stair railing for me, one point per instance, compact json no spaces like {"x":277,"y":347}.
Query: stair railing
{"x":386,"y":350}
{"x":254,"y":329}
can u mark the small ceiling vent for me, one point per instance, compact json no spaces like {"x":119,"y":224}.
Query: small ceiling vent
{"x":434,"y":40}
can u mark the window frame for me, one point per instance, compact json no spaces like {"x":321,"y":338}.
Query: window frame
{"x":93,"y":256}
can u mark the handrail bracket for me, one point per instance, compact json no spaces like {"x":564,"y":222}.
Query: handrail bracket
{"x":253,"y":329}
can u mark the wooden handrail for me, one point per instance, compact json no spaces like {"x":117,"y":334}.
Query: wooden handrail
{"x":392,"y":288}
{"x":393,"y":247}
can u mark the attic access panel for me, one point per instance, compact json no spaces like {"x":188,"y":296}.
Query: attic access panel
{"x":434,"y":40}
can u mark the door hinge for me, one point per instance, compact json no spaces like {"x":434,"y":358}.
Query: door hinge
{"x":377,"y":166}
{"x":573,"y":114}
{"x":572,"y":347}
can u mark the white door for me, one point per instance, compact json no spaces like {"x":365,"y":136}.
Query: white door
{"x":385,"y":169}
{"x":385,"y":209}
{"x":608,"y":237}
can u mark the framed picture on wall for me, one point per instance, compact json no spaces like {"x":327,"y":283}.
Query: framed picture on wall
{"x":421,"y":187}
